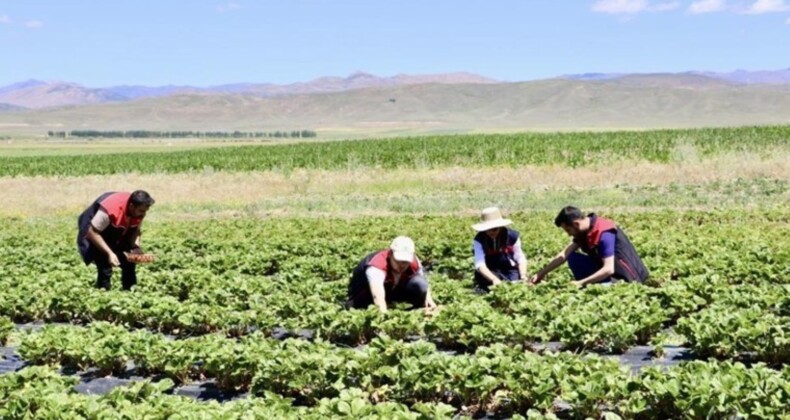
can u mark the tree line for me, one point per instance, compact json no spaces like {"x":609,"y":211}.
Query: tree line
{"x":137,"y":134}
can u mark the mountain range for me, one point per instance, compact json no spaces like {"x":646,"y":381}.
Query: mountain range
{"x":637,"y":101}
{"x":37,"y":94}
{"x":40,"y":94}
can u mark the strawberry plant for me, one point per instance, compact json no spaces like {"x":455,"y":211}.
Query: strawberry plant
{"x":6,"y":328}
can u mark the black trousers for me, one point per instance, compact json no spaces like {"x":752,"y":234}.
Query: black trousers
{"x":413,"y":291}
{"x":482,"y":284}
{"x":104,"y":271}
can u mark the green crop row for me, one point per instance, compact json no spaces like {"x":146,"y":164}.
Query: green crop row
{"x":39,"y":392}
{"x":744,"y":322}
{"x":500,"y":379}
{"x":235,"y":277}
{"x":567,"y":149}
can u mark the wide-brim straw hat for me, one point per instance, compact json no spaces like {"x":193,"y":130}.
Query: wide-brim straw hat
{"x":491,"y":218}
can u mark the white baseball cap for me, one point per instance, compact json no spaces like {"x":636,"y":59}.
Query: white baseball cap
{"x":402,"y":249}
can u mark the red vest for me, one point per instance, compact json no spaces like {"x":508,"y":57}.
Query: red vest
{"x":628,"y":264}
{"x":116,"y":205}
{"x":601,"y":225}
{"x":381,"y":261}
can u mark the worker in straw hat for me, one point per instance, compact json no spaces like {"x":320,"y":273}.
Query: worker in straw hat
{"x":390,"y":275}
{"x":497,"y":251}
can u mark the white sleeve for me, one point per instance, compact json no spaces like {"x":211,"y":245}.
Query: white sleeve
{"x":518,"y":254}
{"x":100,"y":220}
{"x":419,"y":272}
{"x":375,"y":275}
{"x":480,"y":255}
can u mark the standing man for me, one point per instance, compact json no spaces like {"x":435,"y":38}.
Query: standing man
{"x":390,"y":275}
{"x":497,"y":251}
{"x":109,"y":228}
{"x":608,"y":253}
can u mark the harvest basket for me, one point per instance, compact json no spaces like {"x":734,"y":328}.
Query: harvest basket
{"x":140,"y":258}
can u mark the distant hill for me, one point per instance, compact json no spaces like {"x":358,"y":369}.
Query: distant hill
{"x":20,"y":86}
{"x":357,"y":80}
{"x":129,"y":92}
{"x":10,"y":108}
{"x":753,"y":77}
{"x":653,"y":101}
{"x":38,"y":94}
{"x":738,"y":76}
{"x":667,"y":80}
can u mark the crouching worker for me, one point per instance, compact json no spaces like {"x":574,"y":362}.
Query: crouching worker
{"x":108,"y":229}
{"x":497,"y":251}
{"x":390,"y":275}
{"x":608,"y":254}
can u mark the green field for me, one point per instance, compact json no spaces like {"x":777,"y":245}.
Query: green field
{"x":566,"y":149}
{"x":231,"y":276}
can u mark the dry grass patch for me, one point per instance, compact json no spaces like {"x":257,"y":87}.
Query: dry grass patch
{"x":41,"y":196}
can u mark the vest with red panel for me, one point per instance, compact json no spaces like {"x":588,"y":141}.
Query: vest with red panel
{"x":500,"y":253}
{"x":380,"y":260}
{"x":121,"y":232}
{"x":627,"y":263}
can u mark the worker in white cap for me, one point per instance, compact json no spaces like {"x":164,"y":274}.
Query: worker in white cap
{"x":497,"y":251}
{"x":390,"y":275}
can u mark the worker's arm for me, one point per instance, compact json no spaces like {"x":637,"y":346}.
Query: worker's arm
{"x":603,"y":273}
{"x":556,"y":262}
{"x":138,"y":239}
{"x":376,"y":278}
{"x":480,"y":264}
{"x":521,"y":259}
{"x":96,"y":239}
{"x":429,"y":303}
{"x":100,"y":221}
{"x":606,"y":249}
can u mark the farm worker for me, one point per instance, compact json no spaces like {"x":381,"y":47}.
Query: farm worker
{"x":497,"y":251}
{"x":110,"y":227}
{"x":608,"y":254}
{"x":390,"y":275}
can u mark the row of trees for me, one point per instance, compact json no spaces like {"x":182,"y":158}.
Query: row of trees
{"x":182,"y":134}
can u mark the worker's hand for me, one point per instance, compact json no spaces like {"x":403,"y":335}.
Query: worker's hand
{"x":535,"y":279}
{"x":496,"y":282}
{"x":579,"y":284}
{"x":113,"y":259}
{"x":432,"y":309}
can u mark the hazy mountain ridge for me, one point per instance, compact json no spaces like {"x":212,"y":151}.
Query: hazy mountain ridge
{"x":39,"y":94}
{"x":10,"y":108}
{"x":652,"y":101}
{"x":745,"y":77}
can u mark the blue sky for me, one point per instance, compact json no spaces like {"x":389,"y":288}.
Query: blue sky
{"x":199,"y":42}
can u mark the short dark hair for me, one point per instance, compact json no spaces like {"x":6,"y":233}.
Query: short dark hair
{"x":568,"y":215}
{"x":141,"y":198}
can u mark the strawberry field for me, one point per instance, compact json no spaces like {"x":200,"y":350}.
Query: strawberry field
{"x":254,"y":307}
